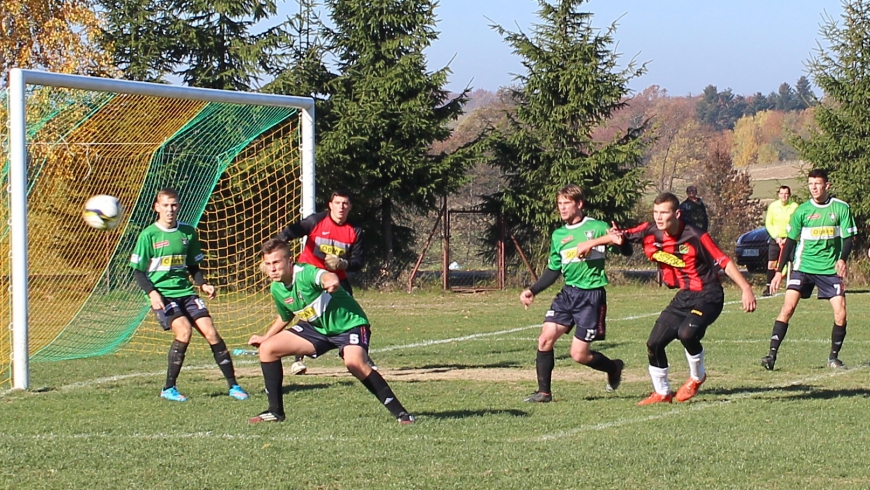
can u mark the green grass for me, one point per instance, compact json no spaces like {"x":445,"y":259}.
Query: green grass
{"x":462,"y":364}
{"x":767,"y":189}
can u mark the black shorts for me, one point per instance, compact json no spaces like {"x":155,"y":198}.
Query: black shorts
{"x":829,"y":285}
{"x":193,"y":307}
{"x":773,"y":250}
{"x":360,"y":336}
{"x":698,"y":308}
{"x":583,"y":308}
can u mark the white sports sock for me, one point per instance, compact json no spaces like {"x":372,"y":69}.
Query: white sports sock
{"x":696,"y":366}
{"x":660,"y":380}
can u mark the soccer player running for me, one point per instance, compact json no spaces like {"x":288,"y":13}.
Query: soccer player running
{"x":167,"y":252}
{"x":582,"y":301}
{"x":820,"y":239}
{"x":689,"y":260}
{"x":776,"y":222}
{"x":331,"y":319}
{"x":331,"y":243}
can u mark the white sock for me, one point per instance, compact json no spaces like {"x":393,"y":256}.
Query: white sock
{"x":696,"y":366}
{"x":660,"y":380}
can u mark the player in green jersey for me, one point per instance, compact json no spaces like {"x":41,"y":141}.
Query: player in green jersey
{"x":820,"y":238}
{"x":582,"y":301}
{"x":166,"y":254}
{"x":329,"y":317}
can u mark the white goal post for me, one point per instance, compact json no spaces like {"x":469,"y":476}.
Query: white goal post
{"x":18,"y":80}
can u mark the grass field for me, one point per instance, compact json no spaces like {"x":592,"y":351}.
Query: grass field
{"x":463,"y":364}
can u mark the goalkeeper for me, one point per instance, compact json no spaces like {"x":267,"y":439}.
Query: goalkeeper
{"x":331,"y":243}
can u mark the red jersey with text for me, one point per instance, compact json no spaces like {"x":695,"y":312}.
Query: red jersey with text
{"x":691,"y":260}
{"x":325,"y":236}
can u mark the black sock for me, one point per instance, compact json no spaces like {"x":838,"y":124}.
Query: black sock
{"x":378,"y":386}
{"x":273,"y":378}
{"x":776,"y":338}
{"x":838,"y":334}
{"x":600,"y":362}
{"x":770,"y":274}
{"x":544,"y":364}
{"x":176,"y":359}
{"x":224,"y":361}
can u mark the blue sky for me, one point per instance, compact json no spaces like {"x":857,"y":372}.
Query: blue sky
{"x":747,"y":45}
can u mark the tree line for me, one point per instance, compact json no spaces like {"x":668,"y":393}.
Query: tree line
{"x":386,"y":123}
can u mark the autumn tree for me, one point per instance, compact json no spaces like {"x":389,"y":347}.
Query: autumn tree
{"x":841,"y":140}
{"x":53,"y":35}
{"x":572,"y":85}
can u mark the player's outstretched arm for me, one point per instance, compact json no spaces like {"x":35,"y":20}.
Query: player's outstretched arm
{"x":584,"y":248}
{"x":278,"y":325}
{"x":748,"y":297}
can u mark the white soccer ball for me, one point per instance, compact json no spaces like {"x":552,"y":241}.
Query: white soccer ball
{"x":103,"y":212}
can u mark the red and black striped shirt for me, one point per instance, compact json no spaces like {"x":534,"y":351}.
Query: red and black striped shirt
{"x":690,"y":260}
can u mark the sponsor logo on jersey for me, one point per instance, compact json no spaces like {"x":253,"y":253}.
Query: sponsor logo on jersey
{"x":823,"y":232}
{"x":307,"y":313}
{"x":669,"y":259}
{"x":172,"y":261}
{"x":684,"y":249}
{"x":161,"y":244}
{"x":184,"y":241}
{"x":590,"y":235}
{"x":696,"y":312}
{"x":569,"y":255}
{"x":567,"y":239}
{"x":326,"y":233}
{"x":833,"y":217}
{"x":289,"y":301}
{"x":330,"y":249}
{"x":814,"y":216}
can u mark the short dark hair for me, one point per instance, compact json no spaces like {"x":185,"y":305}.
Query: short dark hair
{"x":168,"y":192}
{"x":691,"y":190}
{"x":818,"y":173}
{"x":340,"y":193}
{"x":571,"y":191}
{"x":275,"y":245}
{"x":786,"y":188}
{"x":668,"y":197}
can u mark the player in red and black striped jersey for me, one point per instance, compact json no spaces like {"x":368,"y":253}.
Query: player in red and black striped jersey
{"x":331,"y":243}
{"x":690,"y":261}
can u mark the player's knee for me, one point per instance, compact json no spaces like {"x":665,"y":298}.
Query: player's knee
{"x":581,"y":357}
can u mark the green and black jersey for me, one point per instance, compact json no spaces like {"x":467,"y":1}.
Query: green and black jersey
{"x":164,"y":255}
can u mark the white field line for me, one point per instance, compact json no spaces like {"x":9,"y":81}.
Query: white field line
{"x":241,"y":362}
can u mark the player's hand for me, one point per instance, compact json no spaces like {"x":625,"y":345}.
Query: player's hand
{"x":209,"y":290}
{"x":617,"y":235}
{"x":583,"y":249}
{"x":842,"y":268}
{"x":256,"y":340}
{"x":775,"y":282}
{"x":329,"y":282}
{"x":334,"y":262}
{"x":526,"y":298}
{"x":156,"y":301}
{"x":748,"y":298}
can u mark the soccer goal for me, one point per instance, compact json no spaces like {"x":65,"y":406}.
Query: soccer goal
{"x":243,"y":164}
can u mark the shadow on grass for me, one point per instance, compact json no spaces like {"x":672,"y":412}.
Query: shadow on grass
{"x":798,"y":391}
{"x":463,"y":414}
{"x":445,"y":367}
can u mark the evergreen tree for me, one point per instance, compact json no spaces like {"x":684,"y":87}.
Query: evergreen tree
{"x":786,"y":99}
{"x":804,"y":93}
{"x":388,"y":111}
{"x":207,"y":44}
{"x":841,"y":142}
{"x":572,"y":85}
{"x":758,"y":103}
{"x":720,"y":110}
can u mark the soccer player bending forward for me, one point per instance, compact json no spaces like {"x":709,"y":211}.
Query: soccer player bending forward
{"x":820,"y":237}
{"x":582,"y":301}
{"x":689,"y":261}
{"x":331,"y":319}
{"x":166,"y":253}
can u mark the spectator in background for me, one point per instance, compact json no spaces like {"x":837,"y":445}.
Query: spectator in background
{"x":776,"y":222}
{"x":693,"y":210}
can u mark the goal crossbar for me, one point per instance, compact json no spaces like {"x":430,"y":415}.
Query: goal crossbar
{"x":18,"y":80}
